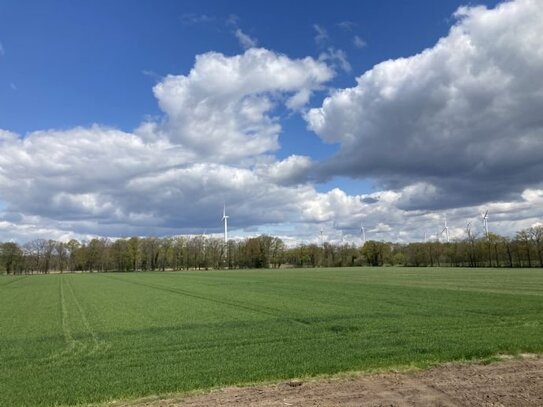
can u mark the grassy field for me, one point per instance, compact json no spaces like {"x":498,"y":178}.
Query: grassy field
{"x":69,"y":339}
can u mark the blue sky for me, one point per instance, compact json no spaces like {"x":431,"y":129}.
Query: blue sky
{"x":67,"y":66}
{"x":77,"y":63}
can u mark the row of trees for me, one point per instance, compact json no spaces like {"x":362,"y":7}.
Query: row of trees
{"x":185,"y":253}
{"x":140,"y":254}
{"x":525,"y":250}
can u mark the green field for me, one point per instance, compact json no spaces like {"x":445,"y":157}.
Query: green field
{"x":79,"y":338}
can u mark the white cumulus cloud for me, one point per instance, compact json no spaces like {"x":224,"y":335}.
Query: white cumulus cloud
{"x":223,"y":108}
{"x":462,"y":117}
{"x":172,"y":174}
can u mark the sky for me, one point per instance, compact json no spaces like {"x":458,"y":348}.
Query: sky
{"x":122,"y":118}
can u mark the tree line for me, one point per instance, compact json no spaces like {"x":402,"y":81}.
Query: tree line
{"x":202,"y":253}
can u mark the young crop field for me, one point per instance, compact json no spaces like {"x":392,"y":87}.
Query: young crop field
{"x":81,"y":338}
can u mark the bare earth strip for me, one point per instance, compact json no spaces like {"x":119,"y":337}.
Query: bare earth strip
{"x":514,"y":382}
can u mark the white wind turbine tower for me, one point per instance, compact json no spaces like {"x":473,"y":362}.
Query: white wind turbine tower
{"x":204,"y":239}
{"x":363,"y":233}
{"x":225,"y":219}
{"x":322,"y":238}
{"x":484,"y":217}
{"x":446,"y":230}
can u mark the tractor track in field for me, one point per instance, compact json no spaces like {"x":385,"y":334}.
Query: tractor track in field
{"x":265,"y":310}
{"x":14,"y":280}
{"x":98,"y":346}
{"x":510,"y":382}
{"x":74,"y":347}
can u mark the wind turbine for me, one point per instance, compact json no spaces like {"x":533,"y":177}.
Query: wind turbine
{"x":468,"y":229}
{"x":446,"y":230}
{"x":322,"y":238}
{"x":225,"y":219}
{"x":363,"y":233}
{"x":484,"y":217}
{"x":204,"y":238}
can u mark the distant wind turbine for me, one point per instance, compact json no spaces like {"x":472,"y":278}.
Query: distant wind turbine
{"x":363,"y":233}
{"x":225,"y":219}
{"x":446,"y":230}
{"x":484,"y":219}
{"x":204,"y":239}
{"x":322,"y":238}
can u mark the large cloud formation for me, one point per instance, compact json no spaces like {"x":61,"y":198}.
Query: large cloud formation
{"x":461,"y":120}
{"x":456,"y":126}
{"x":221,"y":109}
{"x":171,"y":175}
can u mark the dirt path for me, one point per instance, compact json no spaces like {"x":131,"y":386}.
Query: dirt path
{"x":515,"y":382}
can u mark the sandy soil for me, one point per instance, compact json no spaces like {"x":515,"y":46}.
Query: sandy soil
{"x":513,"y":382}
